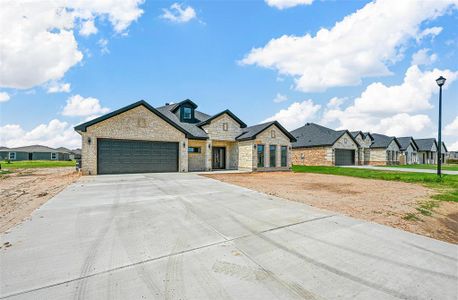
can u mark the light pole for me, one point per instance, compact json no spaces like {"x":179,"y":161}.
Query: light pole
{"x":440,"y":82}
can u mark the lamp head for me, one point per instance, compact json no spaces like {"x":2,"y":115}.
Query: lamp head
{"x":440,"y":81}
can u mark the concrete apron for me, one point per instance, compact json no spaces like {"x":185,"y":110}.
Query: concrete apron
{"x":183,"y":236}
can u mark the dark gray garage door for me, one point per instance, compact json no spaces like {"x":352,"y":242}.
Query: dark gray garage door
{"x":345,"y":157}
{"x":126,"y":156}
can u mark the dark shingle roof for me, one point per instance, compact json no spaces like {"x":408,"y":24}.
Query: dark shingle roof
{"x":426,"y":144}
{"x":191,"y":128}
{"x":382,"y":141}
{"x":34,"y":148}
{"x":250,"y":133}
{"x":406,"y":141}
{"x":313,"y":135}
{"x":227,"y":111}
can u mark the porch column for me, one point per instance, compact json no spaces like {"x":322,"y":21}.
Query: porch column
{"x":208,"y":155}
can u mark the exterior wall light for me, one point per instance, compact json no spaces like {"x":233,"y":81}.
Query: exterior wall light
{"x":89,"y":140}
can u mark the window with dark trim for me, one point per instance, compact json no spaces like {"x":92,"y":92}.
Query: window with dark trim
{"x":12,"y":155}
{"x":53,"y":155}
{"x":284,"y":156}
{"x":187,"y":113}
{"x":261,"y":156}
{"x":273,"y":156}
{"x":194,"y":150}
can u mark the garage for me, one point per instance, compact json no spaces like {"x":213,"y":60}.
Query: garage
{"x":344,"y":157}
{"x":128,"y":156}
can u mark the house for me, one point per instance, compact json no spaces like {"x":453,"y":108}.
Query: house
{"x":409,"y":149}
{"x":427,"y":151}
{"x":364,"y":140}
{"x":177,"y":137}
{"x":317,"y":145}
{"x":384,"y":150}
{"x":34,"y":152}
{"x":72,"y":154}
{"x":452,"y":155}
{"x":444,"y":152}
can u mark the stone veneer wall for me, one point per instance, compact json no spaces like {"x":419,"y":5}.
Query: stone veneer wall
{"x":246,"y":155}
{"x":215,"y":129}
{"x":196,"y":161}
{"x":314,"y":156}
{"x":379,"y":155}
{"x":265,"y":138}
{"x":138,"y":123}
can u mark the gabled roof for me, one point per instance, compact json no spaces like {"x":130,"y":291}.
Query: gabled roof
{"x":383,"y":141}
{"x":426,"y":144}
{"x":34,"y":148}
{"x":228,"y":112}
{"x":63,"y":149}
{"x":355,"y":134}
{"x":406,"y":141}
{"x":444,"y":148}
{"x":175,"y":106}
{"x":3,"y":148}
{"x":250,"y":133}
{"x":84,"y":126}
{"x":314,"y":135}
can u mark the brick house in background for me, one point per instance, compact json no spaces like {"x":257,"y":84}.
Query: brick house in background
{"x":364,"y":140}
{"x":384,"y":150}
{"x":177,"y":137}
{"x":317,"y":145}
{"x":409,"y":151}
{"x":427,"y":151}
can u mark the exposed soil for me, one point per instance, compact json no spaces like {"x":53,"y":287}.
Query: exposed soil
{"x":25,"y":190}
{"x":384,"y":202}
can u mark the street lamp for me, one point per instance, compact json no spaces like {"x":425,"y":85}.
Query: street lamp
{"x":440,"y":82}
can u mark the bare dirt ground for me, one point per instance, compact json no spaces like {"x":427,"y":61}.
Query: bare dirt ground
{"x":384,"y":202}
{"x":25,"y":190}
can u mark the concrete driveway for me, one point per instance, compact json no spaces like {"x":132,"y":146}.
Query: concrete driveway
{"x":182,"y":236}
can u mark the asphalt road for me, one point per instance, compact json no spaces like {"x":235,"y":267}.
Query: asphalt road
{"x":182,"y":236}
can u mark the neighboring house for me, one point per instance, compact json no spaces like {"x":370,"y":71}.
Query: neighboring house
{"x":409,"y":151}
{"x":76,"y":153}
{"x":444,"y":153}
{"x":177,"y":137}
{"x":385,"y":150}
{"x":72,"y":154}
{"x":427,"y":151}
{"x":34,"y":152}
{"x":364,"y":140}
{"x":317,"y":145}
{"x":452,"y":155}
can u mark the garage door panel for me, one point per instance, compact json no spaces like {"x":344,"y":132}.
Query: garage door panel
{"x":126,"y":156}
{"x":344,"y":157}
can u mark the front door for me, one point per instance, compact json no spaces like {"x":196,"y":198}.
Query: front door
{"x":219,"y":158}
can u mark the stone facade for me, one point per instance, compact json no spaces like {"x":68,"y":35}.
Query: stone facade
{"x":385,"y":156}
{"x":364,"y":150}
{"x":313,"y":156}
{"x":223,"y":128}
{"x":197,"y":161}
{"x":271,"y":136}
{"x":138,"y":123}
{"x":247,"y":152}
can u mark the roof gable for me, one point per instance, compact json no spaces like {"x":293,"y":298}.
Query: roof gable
{"x":314,"y":135}
{"x":229,"y":113}
{"x":83,"y":127}
{"x":426,"y":144}
{"x":251,"y":132}
{"x":383,"y":141}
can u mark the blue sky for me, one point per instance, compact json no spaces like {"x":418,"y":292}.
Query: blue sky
{"x":366,"y":70}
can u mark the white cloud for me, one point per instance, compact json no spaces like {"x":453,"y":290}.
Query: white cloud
{"x":282,"y":4}
{"x":88,"y":28}
{"x":296,"y":115}
{"x":279,"y":98}
{"x":4,"y":96}
{"x":54,"y":134}
{"x":392,"y":109}
{"x":335,"y":103}
{"x":431,"y":31}
{"x":41,"y":46}
{"x":422,"y":57}
{"x":179,"y":13}
{"x":78,"y":106}
{"x":361,"y":45}
{"x":103,"y":44}
{"x":452,"y":128}
{"x":58,"y":87}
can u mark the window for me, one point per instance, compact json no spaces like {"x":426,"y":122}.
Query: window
{"x":53,"y":155}
{"x":187,"y":113}
{"x":284,"y":156}
{"x":12,"y":155}
{"x":273,"y":155}
{"x":260,"y":156}
{"x":272,"y":133}
{"x":194,"y":150}
{"x":225,"y":126}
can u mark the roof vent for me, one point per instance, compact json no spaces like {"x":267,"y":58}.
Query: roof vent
{"x":167,"y":104}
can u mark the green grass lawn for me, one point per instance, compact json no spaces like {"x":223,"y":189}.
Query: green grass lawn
{"x":450,"y":167}
{"x":26,"y":164}
{"x":447,"y":185}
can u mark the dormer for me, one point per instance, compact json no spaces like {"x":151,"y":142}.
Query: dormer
{"x":185,"y":111}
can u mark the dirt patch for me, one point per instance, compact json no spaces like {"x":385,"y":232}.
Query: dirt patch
{"x":384,"y":202}
{"x":25,"y":190}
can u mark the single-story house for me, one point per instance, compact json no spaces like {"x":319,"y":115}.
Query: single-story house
{"x":427,"y":151}
{"x":72,"y":154}
{"x":364,"y":140}
{"x":385,"y":150}
{"x":409,"y":149}
{"x":452,"y":155}
{"x":139,"y":138}
{"x":317,"y":145}
{"x":34,"y":152}
{"x":444,"y":152}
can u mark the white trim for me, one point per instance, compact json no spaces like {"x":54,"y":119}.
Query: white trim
{"x":56,"y":157}
{"x":9,"y":155}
